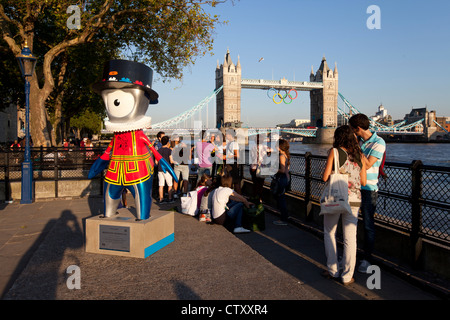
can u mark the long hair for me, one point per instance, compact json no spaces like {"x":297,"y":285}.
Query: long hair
{"x":284,"y":146}
{"x":344,"y":137}
{"x":203,"y":179}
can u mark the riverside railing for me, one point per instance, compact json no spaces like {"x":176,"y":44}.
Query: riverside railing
{"x":414,"y":199}
{"x":49,"y":164}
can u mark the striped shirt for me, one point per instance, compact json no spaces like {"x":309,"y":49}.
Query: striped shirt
{"x":376,"y":147}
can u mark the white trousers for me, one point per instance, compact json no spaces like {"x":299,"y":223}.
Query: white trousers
{"x":349,"y":226}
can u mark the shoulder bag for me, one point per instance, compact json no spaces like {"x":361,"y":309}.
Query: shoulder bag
{"x":334,"y":199}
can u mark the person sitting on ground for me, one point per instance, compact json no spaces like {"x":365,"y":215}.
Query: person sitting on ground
{"x":203,"y":184}
{"x":227,"y":206}
{"x":203,"y":200}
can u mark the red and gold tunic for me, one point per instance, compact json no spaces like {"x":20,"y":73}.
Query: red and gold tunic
{"x":130,"y":159}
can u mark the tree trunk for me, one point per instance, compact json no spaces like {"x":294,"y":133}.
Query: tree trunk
{"x":38,"y":119}
{"x":57,"y":133}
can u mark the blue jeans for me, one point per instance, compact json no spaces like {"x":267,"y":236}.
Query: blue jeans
{"x":368,"y":206}
{"x":234,"y":212}
{"x":281,"y":199}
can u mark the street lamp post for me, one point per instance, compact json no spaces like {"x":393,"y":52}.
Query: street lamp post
{"x":27,"y":63}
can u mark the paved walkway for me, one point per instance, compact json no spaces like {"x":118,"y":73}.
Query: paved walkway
{"x":39,"y":241}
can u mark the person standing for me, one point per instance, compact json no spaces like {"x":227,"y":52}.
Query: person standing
{"x":15,"y":148}
{"x":204,"y":152}
{"x":258,"y":155}
{"x":232,"y":156}
{"x":157,"y":144}
{"x":181,"y":165}
{"x":373,"y":148}
{"x":165,"y":177}
{"x":350,"y":163}
{"x":284,"y":179}
{"x":89,"y":146}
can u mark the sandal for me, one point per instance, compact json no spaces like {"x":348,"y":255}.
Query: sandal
{"x":348,"y":282}
{"x":327,"y":275}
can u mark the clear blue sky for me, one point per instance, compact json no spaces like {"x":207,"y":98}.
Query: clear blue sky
{"x":404,"y":64}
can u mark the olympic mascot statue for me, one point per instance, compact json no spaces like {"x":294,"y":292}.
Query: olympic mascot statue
{"x":126,"y":91}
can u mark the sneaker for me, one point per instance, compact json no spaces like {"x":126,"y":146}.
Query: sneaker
{"x":202,"y":217}
{"x":240,"y":230}
{"x":363,"y":266}
{"x":208,"y":217}
{"x":280,"y":223}
{"x":170,"y":201}
{"x":161,"y":201}
{"x":176,"y":196}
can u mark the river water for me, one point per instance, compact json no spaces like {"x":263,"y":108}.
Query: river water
{"x":437,"y":154}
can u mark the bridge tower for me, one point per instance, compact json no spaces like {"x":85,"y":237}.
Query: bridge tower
{"x":324,"y":102}
{"x":228,"y":101}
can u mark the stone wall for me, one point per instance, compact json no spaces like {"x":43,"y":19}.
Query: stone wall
{"x":51,"y":189}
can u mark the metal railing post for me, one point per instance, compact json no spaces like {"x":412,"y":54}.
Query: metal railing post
{"x":7,"y":182}
{"x":55,"y":169}
{"x":416,"y":214}
{"x":308,"y":182}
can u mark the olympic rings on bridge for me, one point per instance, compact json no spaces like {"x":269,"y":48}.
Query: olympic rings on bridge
{"x":282,"y":97}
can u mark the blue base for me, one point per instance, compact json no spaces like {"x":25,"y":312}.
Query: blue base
{"x":159,"y":245}
{"x":27,"y":183}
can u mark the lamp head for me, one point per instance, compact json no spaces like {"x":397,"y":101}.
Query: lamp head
{"x":27,"y":61}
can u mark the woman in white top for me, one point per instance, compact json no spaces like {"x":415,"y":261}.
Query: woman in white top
{"x":350,"y":156}
{"x":224,"y":210}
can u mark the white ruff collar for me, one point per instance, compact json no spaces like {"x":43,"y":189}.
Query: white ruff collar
{"x":143,"y":123}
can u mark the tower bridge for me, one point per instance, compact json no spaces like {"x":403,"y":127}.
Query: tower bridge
{"x":282,"y":84}
{"x":323,"y":91}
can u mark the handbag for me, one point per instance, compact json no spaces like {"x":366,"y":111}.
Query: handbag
{"x":275,"y":185}
{"x":189,"y":203}
{"x":334,"y":198}
{"x":253,"y":218}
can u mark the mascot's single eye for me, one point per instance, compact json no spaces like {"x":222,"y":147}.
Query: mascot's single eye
{"x":116,"y":102}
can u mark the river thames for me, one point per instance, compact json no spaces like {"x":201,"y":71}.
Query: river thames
{"x":437,"y":154}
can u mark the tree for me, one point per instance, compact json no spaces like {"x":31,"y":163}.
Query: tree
{"x":167,"y":34}
{"x":88,"y":122}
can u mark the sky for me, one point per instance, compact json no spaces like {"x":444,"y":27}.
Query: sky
{"x":402,"y":65}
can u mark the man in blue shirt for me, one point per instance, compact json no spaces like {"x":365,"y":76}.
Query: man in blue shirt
{"x":373,"y":148}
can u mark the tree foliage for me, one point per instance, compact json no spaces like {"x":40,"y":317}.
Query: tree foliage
{"x":87,"y":121}
{"x":167,"y":35}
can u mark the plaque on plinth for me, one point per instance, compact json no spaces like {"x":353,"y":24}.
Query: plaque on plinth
{"x":123,"y":235}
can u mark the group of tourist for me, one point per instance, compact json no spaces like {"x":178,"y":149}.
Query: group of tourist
{"x":220,"y":201}
{"x":218,"y":183}
{"x":199,"y":160}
